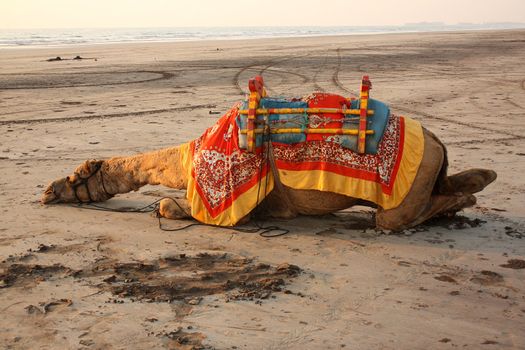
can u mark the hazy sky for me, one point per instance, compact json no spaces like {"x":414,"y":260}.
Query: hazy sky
{"x":174,"y":13}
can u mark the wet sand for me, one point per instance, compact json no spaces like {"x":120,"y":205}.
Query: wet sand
{"x":77,"y":278}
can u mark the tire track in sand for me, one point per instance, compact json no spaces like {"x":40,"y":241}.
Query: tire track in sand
{"x":275,"y":62}
{"x":164,"y":76}
{"x":468,"y":142}
{"x":266,"y":68}
{"x":315,"y":78}
{"x":469,"y":125}
{"x":104,"y":116}
{"x":335,"y":76}
{"x":510,"y":136}
{"x":336,"y":81}
{"x":235,"y":80}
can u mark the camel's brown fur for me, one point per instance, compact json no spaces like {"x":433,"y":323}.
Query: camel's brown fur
{"x":432,"y":193}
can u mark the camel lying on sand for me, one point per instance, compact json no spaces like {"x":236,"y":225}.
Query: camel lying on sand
{"x":432,"y":193}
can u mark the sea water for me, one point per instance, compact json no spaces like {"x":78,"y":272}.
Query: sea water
{"x":77,"y":36}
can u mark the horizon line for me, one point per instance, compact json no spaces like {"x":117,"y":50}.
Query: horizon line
{"x":424,"y":23}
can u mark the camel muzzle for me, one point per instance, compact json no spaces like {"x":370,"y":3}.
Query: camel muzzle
{"x":49,"y":197}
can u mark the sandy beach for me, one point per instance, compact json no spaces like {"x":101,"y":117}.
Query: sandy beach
{"x":336,"y":282}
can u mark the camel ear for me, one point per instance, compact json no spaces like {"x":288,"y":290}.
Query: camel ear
{"x":87,"y":168}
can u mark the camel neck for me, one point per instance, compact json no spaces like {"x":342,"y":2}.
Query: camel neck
{"x":163,"y":167}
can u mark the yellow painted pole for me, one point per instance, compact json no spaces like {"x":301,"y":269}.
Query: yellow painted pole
{"x":306,"y":110}
{"x":363,"y":105}
{"x":309,"y":131}
{"x":252,"y":105}
{"x":257,"y":91}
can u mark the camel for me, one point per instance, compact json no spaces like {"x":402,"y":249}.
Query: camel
{"x":433,"y":192}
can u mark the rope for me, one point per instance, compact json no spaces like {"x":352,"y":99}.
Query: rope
{"x":154,"y":207}
{"x":266,"y":229}
{"x":263,"y":233}
{"x":146,"y":209}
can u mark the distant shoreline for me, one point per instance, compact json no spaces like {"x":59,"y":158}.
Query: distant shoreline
{"x":63,"y":38}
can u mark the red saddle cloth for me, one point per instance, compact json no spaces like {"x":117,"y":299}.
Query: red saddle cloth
{"x":322,"y":100}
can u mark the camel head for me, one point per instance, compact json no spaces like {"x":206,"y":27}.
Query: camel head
{"x":85,"y":185}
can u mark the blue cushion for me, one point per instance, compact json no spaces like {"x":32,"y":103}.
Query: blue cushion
{"x":376,"y":122}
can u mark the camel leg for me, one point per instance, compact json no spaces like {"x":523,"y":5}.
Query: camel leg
{"x":446,"y":204}
{"x":417,"y":204}
{"x":468,"y":181}
{"x":438,"y":204}
{"x":175,"y":208}
{"x":421,"y":204}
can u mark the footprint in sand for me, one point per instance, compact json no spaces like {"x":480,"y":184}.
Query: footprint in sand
{"x":445,"y":278}
{"x":487,"y":278}
{"x":71,"y":103}
{"x":514,"y":264}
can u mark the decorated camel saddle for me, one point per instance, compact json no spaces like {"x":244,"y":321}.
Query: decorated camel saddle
{"x":356,"y":124}
{"x":325,"y":142}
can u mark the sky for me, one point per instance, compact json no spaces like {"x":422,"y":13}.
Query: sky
{"x":15,"y":14}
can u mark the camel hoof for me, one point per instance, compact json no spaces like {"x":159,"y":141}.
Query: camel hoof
{"x":471,"y":200}
{"x":463,"y":201}
{"x":481,"y":179}
{"x":489,"y":175}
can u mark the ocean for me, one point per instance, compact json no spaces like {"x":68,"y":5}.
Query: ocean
{"x":79,"y":36}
